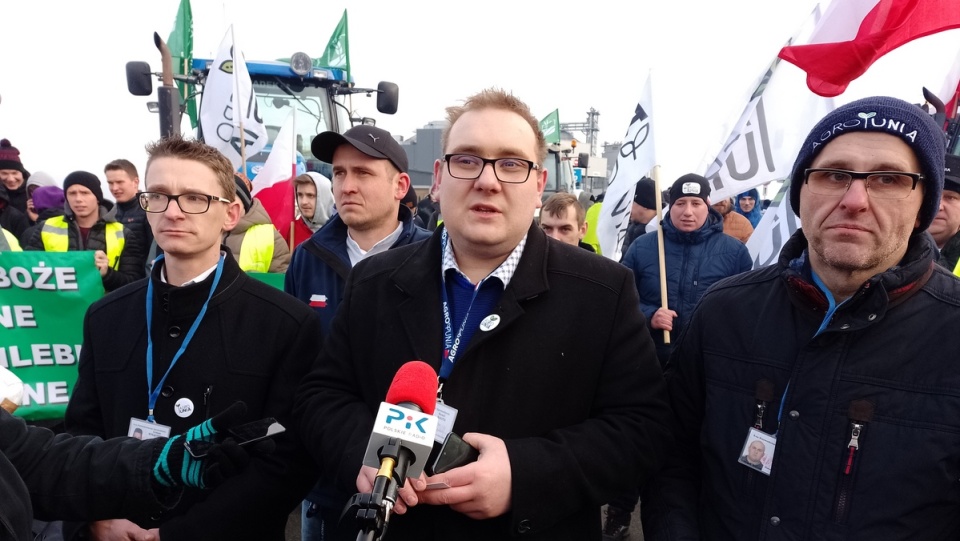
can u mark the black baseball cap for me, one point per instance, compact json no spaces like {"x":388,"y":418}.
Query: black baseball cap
{"x":371,"y":140}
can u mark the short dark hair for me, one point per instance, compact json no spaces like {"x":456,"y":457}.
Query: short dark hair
{"x":557,"y":204}
{"x":122,"y":165}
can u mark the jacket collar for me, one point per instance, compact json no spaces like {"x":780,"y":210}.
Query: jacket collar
{"x":418,"y":277}
{"x":880,"y":292}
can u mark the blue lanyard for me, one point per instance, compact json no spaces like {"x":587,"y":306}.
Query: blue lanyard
{"x":154,"y":393}
{"x":831,"y":308}
{"x":451,"y":344}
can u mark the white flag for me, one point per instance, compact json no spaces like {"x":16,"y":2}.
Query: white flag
{"x":634,"y":160}
{"x":229,"y":106}
{"x":777,"y":225}
{"x":764,"y":141}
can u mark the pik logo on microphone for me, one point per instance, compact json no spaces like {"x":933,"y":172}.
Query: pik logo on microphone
{"x":397,"y":415}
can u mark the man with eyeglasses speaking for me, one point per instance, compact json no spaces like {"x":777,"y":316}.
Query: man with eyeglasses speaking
{"x":842,"y":360}
{"x":165,"y":353}
{"x":562,"y":422}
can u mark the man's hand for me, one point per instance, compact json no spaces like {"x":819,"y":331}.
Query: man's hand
{"x":481,"y":489}
{"x":120,"y":530}
{"x":663,"y":319}
{"x":176,"y":467}
{"x":408,"y":493}
{"x":101,"y":261}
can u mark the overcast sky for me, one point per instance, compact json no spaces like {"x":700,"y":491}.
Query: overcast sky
{"x":66,"y":107}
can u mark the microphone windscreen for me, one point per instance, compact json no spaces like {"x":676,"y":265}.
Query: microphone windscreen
{"x":416,"y":383}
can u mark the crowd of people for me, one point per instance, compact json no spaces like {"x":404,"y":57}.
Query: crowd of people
{"x":732,"y":404}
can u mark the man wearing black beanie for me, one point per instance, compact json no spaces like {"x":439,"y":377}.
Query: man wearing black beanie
{"x":840,"y":358}
{"x":89,"y":223}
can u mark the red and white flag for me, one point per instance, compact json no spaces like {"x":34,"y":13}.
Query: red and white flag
{"x":273,"y":185}
{"x":867,"y":30}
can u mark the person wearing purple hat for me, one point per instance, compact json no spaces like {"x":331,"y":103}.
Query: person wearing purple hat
{"x":47,"y":202}
{"x":89,"y":223}
{"x":840,"y":358}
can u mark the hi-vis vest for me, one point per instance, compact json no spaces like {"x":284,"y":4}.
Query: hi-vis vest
{"x":956,"y":270}
{"x":8,"y":242}
{"x":54,"y":237}
{"x":256,"y":250}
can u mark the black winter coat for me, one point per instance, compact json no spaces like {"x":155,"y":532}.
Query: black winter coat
{"x":568,"y":379}
{"x":255,"y":344}
{"x":62,"y":477}
{"x":868,"y":434}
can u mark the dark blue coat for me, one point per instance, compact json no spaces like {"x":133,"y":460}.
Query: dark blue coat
{"x":320,"y":266}
{"x":694,"y":261}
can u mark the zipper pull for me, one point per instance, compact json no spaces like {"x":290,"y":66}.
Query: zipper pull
{"x":853,"y":446}
{"x":207,"y":393}
{"x":761,"y":409}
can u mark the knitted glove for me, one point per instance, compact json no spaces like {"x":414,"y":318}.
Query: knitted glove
{"x":176,"y":467}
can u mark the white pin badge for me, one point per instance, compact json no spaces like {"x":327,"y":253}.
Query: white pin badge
{"x":490,"y":322}
{"x":183,"y":407}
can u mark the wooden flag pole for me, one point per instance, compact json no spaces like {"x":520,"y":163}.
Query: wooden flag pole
{"x":663,"y":268}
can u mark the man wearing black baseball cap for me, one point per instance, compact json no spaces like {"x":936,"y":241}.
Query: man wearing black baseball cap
{"x":369,"y":180}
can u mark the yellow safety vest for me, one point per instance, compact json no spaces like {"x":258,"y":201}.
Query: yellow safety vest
{"x":8,"y":242}
{"x":54,"y":237}
{"x":956,"y":270}
{"x":593,"y":220}
{"x":256,"y":250}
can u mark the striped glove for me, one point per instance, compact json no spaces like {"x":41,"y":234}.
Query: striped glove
{"x":176,"y":467}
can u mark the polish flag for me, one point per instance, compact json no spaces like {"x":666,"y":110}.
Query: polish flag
{"x":318,"y":301}
{"x":870,"y":29}
{"x":273,"y":185}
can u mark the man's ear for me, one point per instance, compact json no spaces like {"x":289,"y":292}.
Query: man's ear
{"x":234,"y":212}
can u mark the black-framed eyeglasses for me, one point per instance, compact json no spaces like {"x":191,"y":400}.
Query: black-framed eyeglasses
{"x":507,"y":170}
{"x":189,"y":203}
{"x":879,"y":184}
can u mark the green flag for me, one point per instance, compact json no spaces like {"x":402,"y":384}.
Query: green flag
{"x":550,"y":126}
{"x":337,"y":53}
{"x":181,"y":49}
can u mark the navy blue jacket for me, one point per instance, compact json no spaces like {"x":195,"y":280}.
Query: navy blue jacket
{"x":319,"y":267}
{"x":694,"y":261}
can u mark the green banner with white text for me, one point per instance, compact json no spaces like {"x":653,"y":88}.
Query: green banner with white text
{"x":43,"y":299}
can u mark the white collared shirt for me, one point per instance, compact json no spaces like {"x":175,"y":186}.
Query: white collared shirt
{"x":357,"y":254}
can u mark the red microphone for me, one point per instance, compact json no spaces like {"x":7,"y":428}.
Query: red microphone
{"x":406,"y":415}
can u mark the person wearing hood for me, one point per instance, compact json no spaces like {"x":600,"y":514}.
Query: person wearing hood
{"x":13,"y":175}
{"x":47,"y":202}
{"x":37,"y":180}
{"x":314,"y":205}
{"x":748,"y":206}
{"x":255,"y":242}
{"x":89,"y":223}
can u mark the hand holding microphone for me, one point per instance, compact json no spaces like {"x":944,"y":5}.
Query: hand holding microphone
{"x":401,"y":441}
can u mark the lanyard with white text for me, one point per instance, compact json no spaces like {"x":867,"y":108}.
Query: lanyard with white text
{"x":451,"y":344}
{"x":154,"y":393}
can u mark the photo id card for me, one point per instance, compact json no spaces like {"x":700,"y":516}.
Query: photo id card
{"x":757,"y":452}
{"x":145,"y":430}
{"x":446,"y":417}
